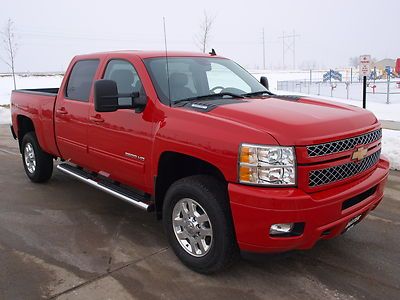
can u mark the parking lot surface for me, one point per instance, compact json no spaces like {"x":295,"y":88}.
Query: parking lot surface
{"x":66,"y":240}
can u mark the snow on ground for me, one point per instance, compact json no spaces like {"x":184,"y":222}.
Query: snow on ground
{"x":391,"y":147}
{"x":382,"y":111}
{"x":376,"y":103}
{"x":390,"y":142}
{"x":26,"y":82}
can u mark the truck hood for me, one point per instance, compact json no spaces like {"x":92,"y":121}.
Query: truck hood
{"x":299,"y":121}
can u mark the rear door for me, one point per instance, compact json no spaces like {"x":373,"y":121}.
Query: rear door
{"x":120,"y":142}
{"x":72,"y":112}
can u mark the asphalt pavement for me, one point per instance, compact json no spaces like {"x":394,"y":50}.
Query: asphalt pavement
{"x":66,"y":240}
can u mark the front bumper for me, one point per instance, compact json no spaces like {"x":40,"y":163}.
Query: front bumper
{"x":255,"y":209}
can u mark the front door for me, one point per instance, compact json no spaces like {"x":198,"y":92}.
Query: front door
{"x":72,"y":112}
{"x":120,"y":142}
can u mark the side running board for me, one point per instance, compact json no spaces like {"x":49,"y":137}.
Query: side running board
{"x":139,"y":200}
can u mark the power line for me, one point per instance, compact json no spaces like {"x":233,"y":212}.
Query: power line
{"x":289,"y":44}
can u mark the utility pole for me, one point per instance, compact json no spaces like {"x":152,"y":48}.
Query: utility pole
{"x":294,"y":49}
{"x":289,"y":44}
{"x":283,"y":49}
{"x":263,"y":39}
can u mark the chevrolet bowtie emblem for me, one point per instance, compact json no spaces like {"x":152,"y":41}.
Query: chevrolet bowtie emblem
{"x":359,"y":154}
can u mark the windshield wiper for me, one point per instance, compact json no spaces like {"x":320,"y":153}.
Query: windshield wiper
{"x":260,"y":93}
{"x":219,"y":95}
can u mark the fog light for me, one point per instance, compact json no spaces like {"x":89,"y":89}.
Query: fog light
{"x":281,"y":229}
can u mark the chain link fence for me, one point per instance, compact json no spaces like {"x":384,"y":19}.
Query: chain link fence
{"x":383,"y":90}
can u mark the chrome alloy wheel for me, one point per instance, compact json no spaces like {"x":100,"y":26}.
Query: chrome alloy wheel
{"x":192,"y":227}
{"x":30,"y":158}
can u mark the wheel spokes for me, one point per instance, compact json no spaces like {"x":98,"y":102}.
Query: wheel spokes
{"x":192,"y":227}
{"x":202,"y":219}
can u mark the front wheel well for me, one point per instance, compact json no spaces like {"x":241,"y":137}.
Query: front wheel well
{"x":173,"y":166}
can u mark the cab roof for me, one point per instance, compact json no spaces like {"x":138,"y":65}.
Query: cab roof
{"x":148,"y":54}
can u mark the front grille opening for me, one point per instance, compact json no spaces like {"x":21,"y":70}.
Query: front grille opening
{"x":343,"y":145}
{"x":341,"y":172}
{"x":359,"y":198}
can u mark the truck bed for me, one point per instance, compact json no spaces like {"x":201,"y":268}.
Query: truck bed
{"x":42,"y":91}
{"x":38,"y":106}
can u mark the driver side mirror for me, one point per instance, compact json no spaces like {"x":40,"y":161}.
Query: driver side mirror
{"x":264,"y":82}
{"x":106,"y":97}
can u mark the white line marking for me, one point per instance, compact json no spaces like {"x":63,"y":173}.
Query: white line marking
{"x":9,"y":152}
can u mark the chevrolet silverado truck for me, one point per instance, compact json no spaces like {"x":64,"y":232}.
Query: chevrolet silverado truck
{"x":228,"y":166}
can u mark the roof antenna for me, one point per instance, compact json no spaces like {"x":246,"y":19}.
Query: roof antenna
{"x":166,"y":60}
{"x":212,"y":53}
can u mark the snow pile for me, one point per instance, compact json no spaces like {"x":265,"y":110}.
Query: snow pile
{"x":5,"y":116}
{"x":391,"y":147}
{"x":26,"y":82}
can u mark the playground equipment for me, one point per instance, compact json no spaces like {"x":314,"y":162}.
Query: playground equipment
{"x":332,"y":74}
{"x":333,"y":86}
{"x":397,"y":68}
{"x":347,"y":83}
{"x":372,"y":86}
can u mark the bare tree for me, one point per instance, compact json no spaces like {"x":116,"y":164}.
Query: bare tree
{"x":10,"y":45}
{"x":205,"y":28}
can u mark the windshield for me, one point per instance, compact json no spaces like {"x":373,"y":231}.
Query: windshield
{"x":191,"y":77}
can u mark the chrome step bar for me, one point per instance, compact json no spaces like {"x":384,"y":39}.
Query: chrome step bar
{"x":136,"y":200}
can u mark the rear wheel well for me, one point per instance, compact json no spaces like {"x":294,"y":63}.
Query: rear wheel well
{"x":25,"y":125}
{"x":173,"y":166}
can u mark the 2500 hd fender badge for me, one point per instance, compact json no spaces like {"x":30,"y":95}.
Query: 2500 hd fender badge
{"x":134,"y":156}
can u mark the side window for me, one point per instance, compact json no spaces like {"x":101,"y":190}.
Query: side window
{"x":126,"y":77}
{"x":81,"y":80}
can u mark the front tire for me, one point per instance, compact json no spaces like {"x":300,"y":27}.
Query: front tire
{"x":38,"y":164}
{"x":198,"y":224}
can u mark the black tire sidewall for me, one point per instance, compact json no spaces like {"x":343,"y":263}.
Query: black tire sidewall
{"x":44,"y":167}
{"x":222,"y":231}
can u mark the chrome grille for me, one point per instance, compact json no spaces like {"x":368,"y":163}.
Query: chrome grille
{"x":343,"y":145}
{"x":337,"y":173}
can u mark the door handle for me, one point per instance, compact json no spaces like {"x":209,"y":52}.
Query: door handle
{"x":61,"y":111}
{"x":96,"y":119}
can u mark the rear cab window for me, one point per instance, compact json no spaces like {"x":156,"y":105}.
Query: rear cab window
{"x":81,"y":80}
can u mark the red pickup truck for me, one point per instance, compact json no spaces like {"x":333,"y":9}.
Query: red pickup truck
{"x":227,"y":165}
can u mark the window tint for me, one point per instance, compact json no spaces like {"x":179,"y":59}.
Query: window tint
{"x":126,"y":77}
{"x":198,"y":76}
{"x":81,"y":80}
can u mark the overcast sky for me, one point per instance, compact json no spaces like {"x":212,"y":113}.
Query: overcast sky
{"x":51,"y":32}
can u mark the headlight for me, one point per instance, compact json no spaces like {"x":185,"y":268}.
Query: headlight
{"x":267,"y":165}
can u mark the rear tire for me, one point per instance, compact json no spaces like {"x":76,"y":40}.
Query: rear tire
{"x":38,"y":164}
{"x":202,"y":237}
